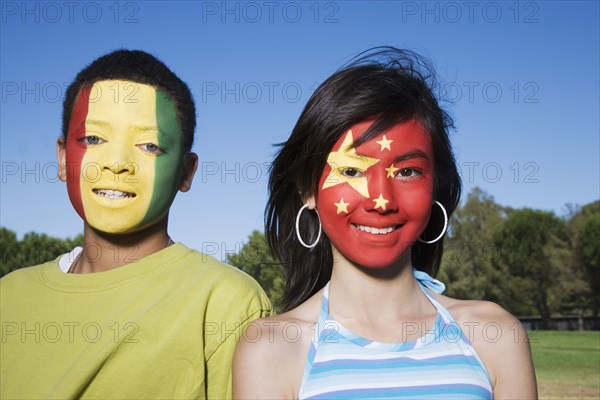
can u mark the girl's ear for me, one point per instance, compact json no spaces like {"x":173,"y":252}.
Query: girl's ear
{"x":311,"y":201}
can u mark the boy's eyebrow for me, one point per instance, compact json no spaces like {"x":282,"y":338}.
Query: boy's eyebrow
{"x":101,"y":124}
{"x":149,"y":128}
{"x":136,"y":128}
{"x":146,"y":128}
{"x":410,"y":155}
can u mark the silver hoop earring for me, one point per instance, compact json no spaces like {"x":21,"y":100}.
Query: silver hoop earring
{"x":308,"y":246}
{"x":443,"y":230}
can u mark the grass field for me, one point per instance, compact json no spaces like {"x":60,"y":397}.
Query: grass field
{"x":567,"y":364}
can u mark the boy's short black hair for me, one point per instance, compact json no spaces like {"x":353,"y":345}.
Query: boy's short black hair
{"x":140,"y":67}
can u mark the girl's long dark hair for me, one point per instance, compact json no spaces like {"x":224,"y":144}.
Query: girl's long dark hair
{"x":390,"y":85}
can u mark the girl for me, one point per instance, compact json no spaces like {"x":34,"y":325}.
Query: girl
{"x":360,"y":197}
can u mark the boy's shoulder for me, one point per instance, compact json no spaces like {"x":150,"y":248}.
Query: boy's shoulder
{"x":229,"y":287}
{"x":212,"y":269}
{"x":21,"y":282}
{"x":25,"y":274}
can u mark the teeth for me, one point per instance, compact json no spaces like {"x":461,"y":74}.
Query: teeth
{"x":113,"y":194}
{"x":376,"y":231}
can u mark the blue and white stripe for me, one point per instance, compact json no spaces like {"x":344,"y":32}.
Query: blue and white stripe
{"x":440,"y":365}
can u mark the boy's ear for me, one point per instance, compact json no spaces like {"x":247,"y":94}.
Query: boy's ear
{"x":190,"y":165}
{"x":61,"y":155}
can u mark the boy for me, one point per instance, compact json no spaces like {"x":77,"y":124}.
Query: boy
{"x":132,"y":314}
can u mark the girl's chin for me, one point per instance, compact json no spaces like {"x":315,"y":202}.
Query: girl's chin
{"x":381,"y":264}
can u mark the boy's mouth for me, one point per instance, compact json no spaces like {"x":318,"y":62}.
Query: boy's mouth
{"x":113,"y":194}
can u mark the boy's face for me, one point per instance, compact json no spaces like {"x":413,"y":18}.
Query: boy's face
{"x":124,"y":156}
{"x":375,"y":200}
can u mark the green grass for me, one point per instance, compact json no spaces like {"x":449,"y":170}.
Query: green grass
{"x":567,"y":364}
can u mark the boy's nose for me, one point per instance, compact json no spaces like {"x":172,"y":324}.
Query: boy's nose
{"x":119,"y":159}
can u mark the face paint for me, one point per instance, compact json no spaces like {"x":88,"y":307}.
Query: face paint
{"x":375,"y":200}
{"x":124,"y":156}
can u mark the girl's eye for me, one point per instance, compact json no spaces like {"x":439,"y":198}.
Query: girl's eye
{"x":91,"y":140}
{"x":409,"y":173}
{"x":151,"y":148}
{"x":351,"y":173}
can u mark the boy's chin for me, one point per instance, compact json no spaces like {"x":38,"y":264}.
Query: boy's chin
{"x":102,"y":230}
{"x":121,"y":229}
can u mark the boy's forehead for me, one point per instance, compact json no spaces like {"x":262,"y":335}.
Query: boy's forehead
{"x":123,"y":103}
{"x":121,"y":91}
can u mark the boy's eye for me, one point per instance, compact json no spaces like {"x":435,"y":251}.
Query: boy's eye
{"x":151,"y":148}
{"x":351,"y":172}
{"x":91,"y":140}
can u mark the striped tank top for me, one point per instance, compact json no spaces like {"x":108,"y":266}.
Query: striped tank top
{"x":441,"y":364}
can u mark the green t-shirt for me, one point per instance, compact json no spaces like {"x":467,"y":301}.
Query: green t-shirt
{"x":163,"y":327}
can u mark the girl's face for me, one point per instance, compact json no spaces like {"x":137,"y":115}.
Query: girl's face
{"x":375,"y":200}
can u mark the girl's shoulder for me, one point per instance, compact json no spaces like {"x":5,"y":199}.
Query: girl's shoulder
{"x":499,"y":339}
{"x":476,"y":311}
{"x":289,"y":329}
{"x":274,"y":349}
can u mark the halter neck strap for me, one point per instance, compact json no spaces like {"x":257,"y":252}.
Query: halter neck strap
{"x":430,"y":283}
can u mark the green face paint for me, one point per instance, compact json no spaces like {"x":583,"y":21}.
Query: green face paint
{"x":168,"y":169}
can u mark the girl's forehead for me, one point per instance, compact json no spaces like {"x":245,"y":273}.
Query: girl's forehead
{"x":397,"y":138}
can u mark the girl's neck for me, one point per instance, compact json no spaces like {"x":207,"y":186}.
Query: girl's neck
{"x":362,"y":293}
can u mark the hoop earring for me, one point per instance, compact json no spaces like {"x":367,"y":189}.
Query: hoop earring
{"x":443,"y":230}
{"x":308,"y":246}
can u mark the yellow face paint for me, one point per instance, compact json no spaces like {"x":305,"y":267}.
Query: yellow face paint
{"x":345,"y":158}
{"x":130,"y":148}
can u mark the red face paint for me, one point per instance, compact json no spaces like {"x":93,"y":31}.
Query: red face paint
{"x":375,"y":200}
{"x":75,"y":150}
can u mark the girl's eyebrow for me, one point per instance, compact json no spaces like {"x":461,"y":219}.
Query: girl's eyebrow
{"x":410,"y":155}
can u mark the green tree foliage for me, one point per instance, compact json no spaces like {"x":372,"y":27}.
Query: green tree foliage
{"x":587,"y":250}
{"x":33,"y":249}
{"x":467,"y":262}
{"x":526,"y":253}
{"x":491,"y":255}
{"x":256,"y":260}
{"x":9,"y":251}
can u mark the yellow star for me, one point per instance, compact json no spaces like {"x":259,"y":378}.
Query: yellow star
{"x":380,"y":202}
{"x":341,"y":206}
{"x":391,"y":170}
{"x":385,"y":143}
{"x":346,"y":158}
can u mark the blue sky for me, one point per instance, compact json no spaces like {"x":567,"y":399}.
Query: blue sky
{"x":523,"y":78}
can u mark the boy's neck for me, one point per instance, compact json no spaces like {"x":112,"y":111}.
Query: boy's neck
{"x":104,"y":252}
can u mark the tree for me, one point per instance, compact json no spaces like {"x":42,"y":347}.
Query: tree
{"x":33,"y":249}
{"x":587,"y":251}
{"x":257,"y":261}
{"x":526,"y":247}
{"x":9,"y":251}
{"x":467,"y":263}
